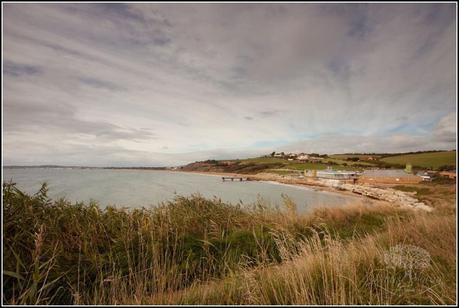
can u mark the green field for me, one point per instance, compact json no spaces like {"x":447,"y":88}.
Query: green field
{"x":346,"y":156}
{"x":296,"y":165}
{"x":286,"y":164}
{"x":426,"y":160}
{"x":432,"y":160}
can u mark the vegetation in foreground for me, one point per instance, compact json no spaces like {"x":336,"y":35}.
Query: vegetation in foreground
{"x":200,"y":251}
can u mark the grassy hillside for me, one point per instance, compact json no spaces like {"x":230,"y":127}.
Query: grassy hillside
{"x":284,"y":163}
{"x":360,"y":156}
{"x":433,"y":160}
{"x":263,"y":164}
{"x":200,"y":251}
{"x":425,"y":160}
{"x":335,"y":163}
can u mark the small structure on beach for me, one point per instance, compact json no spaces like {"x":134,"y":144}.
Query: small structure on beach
{"x":426,"y":178}
{"x":234,"y":178}
{"x":337,"y":174}
{"x":332,"y":174}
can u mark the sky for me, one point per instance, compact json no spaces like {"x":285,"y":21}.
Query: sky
{"x":152,"y":84}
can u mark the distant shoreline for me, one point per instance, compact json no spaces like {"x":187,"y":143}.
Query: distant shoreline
{"x":83,"y":167}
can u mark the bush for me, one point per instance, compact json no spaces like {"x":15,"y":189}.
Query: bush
{"x":447,"y":168}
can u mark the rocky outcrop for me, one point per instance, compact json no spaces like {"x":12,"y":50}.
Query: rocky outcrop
{"x":397,"y":197}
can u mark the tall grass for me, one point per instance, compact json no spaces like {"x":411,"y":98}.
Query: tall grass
{"x":196,"y":250}
{"x":58,"y":252}
{"x":322,"y":270}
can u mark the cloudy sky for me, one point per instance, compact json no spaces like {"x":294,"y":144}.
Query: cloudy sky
{"x":166,"y":84}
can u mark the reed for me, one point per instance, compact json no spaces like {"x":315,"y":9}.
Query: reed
{"x":194,"y":250}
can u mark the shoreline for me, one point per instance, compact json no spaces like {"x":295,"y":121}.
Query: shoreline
{"x":366,"y":193}
{"x":363,"y":192}
{"x":274,"y":181}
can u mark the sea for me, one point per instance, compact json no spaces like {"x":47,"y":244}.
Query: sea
{"x":145,"y":188}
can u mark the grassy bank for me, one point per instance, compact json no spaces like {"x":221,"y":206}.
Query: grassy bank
{"x":433,"y":160}
{"x":200,"y":251}
{"x":268,"y":164}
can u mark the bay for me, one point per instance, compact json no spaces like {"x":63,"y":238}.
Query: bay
{"x":137,"y":188}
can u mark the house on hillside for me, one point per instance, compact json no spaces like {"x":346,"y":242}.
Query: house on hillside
{"x":303,"y":157}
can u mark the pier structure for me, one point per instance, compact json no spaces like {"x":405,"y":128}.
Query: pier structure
{"x":234,"y":178}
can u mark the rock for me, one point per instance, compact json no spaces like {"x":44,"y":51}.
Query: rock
{"x":399,"y":198}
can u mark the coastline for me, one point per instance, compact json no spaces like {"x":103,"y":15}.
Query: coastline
{"x":362,"y":192}
{"x":273,"y":180}
{"x":366,"y":193}
{"x":264,"y":178}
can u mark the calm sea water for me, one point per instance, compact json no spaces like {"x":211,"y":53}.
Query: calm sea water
{"x":135,"y":188}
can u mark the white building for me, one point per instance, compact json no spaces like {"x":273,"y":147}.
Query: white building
{"x":303,"y":157}
{"x":426,"y":177}
{"x":338,"y":175}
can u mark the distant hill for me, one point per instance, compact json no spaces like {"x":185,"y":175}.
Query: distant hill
{"x":84,"y":167}
{"x":41,"y":166}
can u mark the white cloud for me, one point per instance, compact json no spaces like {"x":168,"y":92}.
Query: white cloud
{"x":156,"y":83}
{"x":446,"y":129}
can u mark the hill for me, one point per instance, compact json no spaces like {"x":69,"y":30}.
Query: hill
{"x":433,"y":160}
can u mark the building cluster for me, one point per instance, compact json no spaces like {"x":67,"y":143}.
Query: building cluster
{"x":388,"y":176}
{"x":332,"y":174}
{"x":303,"y":157}
{"x":373,"y":175}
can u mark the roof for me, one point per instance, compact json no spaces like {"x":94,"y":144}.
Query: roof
{"x":333,"y":172}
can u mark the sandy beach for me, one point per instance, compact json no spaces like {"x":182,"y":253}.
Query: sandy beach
{"x":367,"y":193}
{"x":299,"y":183}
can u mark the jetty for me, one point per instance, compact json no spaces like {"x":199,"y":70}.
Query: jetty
{"x":234,"y":178}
